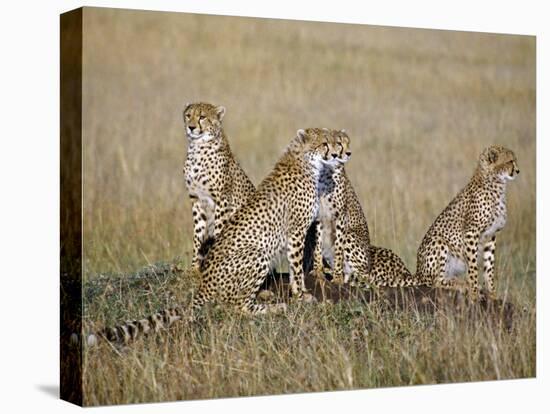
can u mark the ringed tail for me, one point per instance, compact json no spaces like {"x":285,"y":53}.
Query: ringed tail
{"x":132,"y":330}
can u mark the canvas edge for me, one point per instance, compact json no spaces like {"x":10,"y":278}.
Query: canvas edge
{"x":71,"y":37}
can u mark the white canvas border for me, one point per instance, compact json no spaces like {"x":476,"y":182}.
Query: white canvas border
{"x":30,"y":208}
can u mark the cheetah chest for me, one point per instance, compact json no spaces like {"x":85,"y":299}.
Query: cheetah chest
{"x":325,"y":207}
{"x":498,"y":219}
{"x":326,"y":216}
{"x":198,"y":177}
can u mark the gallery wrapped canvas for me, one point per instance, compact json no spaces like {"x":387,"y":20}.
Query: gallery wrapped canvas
{"x":259,"y":206}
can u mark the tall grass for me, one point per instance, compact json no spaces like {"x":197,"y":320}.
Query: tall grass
{"x":310,"y":348}
{"x":419,"y":106}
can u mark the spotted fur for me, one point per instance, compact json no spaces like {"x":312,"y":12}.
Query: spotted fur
{"x":387,"y":270}
{"x":275,"y":219}
{"x":216,"y":183}
{"x":466,"y":230}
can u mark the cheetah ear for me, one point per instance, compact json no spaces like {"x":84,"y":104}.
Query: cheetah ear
{"x":187,"y":105}
{"x":220,"y":111}
{"x":343,"y":131}
{"x":301,"y":134}
{"x":492,"y":155}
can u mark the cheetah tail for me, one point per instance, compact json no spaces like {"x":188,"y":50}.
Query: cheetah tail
{"x":131,"y":330}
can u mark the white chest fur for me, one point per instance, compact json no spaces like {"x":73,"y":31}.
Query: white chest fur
{"x":325,"y":209}
{"x":498,"y":219}
{"x":326,"y":188}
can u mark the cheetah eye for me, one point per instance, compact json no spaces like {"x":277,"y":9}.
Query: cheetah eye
{"x":201,"y":117}
{"x":187,"y":116}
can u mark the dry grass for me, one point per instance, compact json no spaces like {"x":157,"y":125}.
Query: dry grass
{"x":311,"y":348}
{"x":419,"y":106}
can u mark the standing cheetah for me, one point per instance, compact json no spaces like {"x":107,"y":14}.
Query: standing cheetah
{"x":216,"y":183}
{"x":274,"y":219}
{"x":343,"y":234}
{"x":467,"y":228}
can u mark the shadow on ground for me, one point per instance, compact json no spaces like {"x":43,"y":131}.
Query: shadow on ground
{"x":49,"y":389}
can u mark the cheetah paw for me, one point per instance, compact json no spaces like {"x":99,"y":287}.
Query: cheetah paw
{"x":308,"y":298}
{"x":338,"y":280}
{"x":318,"y":274}
{"x":266,"y":295}
{"x":279,"y":308}
{"x":474,"y":296}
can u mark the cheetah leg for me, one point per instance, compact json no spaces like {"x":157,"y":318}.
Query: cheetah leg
{"x":348,"y":265}
{"x":220,"y":217}
{"x":373,"y":268}
{"x":318,"y":269}
{"x":472,"y":239}
{"x":199,"y":300}
{"x":356,"y":271}
{"x":251,"y":279}
{"x":489,"y":265}
{"x":199,"y":232}
{"x":295,"y":257}
{"x":356,"y":260}
{"x":442,"y":280}
{"x":338,"y":266}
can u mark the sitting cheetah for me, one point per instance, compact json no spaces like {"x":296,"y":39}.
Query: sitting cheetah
{"x":387,"y":270}
{"x":216,"y":183}
{"x":343,"y":234}
{"x":467,"y":228}
{"x":274,"y":219}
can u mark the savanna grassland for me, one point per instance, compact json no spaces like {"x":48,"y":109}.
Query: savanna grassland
{"x":419,"y":106}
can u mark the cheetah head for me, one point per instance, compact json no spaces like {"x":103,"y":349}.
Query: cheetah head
{"x":320,"y":145}
{"x":203,"y":121}
{"x":342,"y":142}
{"x":499,"y":161}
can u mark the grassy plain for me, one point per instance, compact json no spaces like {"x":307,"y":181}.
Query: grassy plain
{"x":419,"y":106}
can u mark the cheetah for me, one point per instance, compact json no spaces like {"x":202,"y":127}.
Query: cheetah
{"x":275,"y":219}
{"x":216,"y":183}
{"x":343,"y":234}
{"x":387,"y":270}
{"x":466,"y":229}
